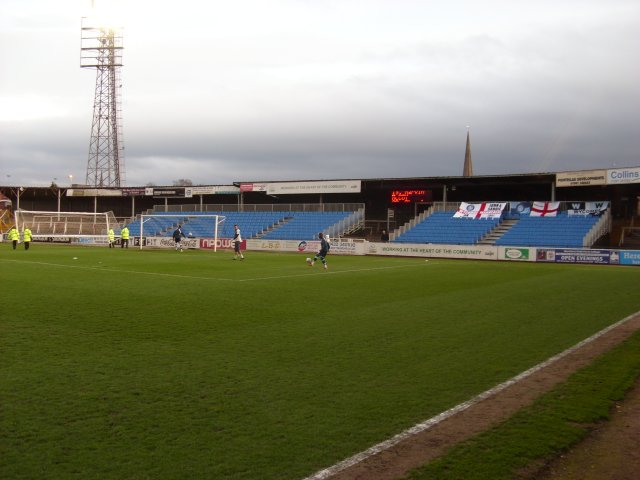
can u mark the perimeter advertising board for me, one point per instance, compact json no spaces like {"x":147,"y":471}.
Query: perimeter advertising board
{"x":338,"y":246}
{"x":222,"y":243}
{"x":569,"y":255}
{"x":91,"y":240}
{"x":469,"y":252}
{"x":629,"y":257}
{"x":520,"y":254}
{"x":193,"y":243}
{"x":168,"y":242}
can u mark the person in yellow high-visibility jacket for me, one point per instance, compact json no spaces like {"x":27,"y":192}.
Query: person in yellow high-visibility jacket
{"x":124,"y":234}
{"x":13,"y":236}
{"x":112,"y":237}
{"x":27,"y":236}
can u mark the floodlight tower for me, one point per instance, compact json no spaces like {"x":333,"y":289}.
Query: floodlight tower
{"x":101,"y":49}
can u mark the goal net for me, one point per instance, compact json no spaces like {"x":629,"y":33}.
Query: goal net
{"x":158,"y":228}
{"x":66,"y":225}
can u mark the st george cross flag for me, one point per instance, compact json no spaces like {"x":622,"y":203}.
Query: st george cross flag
{"x":544,"y":209}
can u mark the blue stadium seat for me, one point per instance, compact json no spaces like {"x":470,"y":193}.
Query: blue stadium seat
{"x":280,"y":225}
{"x":442,"y":227}
{"x":560,"y":231}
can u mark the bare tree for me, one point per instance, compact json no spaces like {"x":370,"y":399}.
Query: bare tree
{"x":183,"y":182}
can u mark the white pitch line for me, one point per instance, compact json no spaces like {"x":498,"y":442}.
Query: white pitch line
{"x":117,"y":270}
{"x":421,"y":427}
{"x":194,"y":277}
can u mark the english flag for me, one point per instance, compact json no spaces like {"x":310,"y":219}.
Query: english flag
{"x":544,"y":209}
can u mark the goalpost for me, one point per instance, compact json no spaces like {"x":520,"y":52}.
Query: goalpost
{"x":66,"y":225}
{"x":163,"y":225}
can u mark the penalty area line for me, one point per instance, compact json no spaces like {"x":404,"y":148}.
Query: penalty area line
{"x":426,"y":425}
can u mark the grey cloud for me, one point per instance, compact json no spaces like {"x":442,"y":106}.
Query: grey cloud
{"x":556,"y":96}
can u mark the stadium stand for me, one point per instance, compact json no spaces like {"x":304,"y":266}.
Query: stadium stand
{"x":305,"y":225}
{"x":153,"y":226}
{"x":563,"y":230}
{"x":251,"y":223}
{"x":560,"y":231}
{"x":278,"y":225}
{"x":442,"y":227}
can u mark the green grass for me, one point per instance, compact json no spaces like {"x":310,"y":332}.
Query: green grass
{"x":554,"y":423}
{"x":158,"y":364}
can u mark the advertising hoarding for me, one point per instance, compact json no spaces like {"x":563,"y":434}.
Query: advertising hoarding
{"x":328,"y":186}
{"x":583,"y":178}
{"x":617,"y":176}
{"x":471,"y":252}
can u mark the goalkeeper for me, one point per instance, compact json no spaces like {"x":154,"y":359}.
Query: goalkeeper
{"x":324,"y":251}
{"x":178,"y":235}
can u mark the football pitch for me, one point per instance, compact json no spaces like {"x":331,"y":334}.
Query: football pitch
{"x":156,"y":364}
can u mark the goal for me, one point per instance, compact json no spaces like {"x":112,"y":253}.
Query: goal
{"x":158,"y":226}
{"x":66,"y":225}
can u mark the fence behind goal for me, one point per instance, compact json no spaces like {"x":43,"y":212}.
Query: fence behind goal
{"x":67,"y":225}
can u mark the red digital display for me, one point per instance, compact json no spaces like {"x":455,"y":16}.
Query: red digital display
{"x":410,"y":196}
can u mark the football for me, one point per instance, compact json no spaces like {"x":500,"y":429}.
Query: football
{"x":308,"y":260}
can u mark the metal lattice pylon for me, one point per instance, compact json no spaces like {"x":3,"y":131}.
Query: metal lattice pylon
{"x":101,"y":50}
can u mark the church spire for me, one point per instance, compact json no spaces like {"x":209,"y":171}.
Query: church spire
{"x":467,"y":171}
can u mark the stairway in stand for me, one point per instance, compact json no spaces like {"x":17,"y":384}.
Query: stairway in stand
{"x":491,"y":237}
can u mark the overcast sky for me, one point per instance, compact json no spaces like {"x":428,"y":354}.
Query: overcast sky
{"x":222,"y":91}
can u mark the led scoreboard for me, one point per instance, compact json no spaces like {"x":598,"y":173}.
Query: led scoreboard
{"x":410,"y":196}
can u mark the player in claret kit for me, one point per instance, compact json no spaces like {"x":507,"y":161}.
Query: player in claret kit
{"x":324,"y":251}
